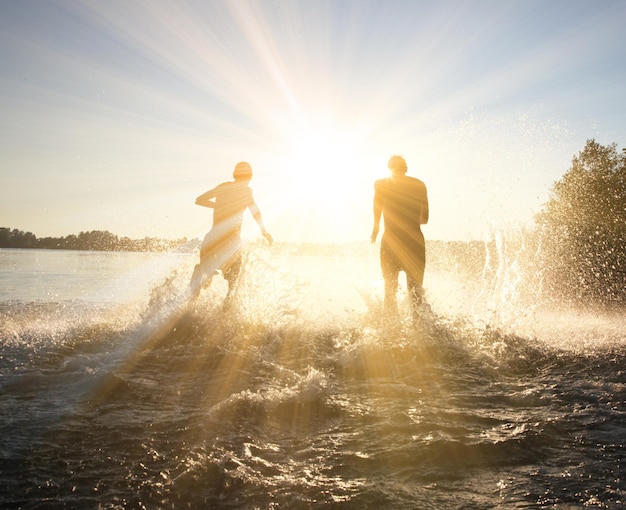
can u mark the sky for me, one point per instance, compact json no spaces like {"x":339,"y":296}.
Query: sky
{"x":116,"y":115}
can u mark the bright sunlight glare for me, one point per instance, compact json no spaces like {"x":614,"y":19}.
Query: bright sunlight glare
{"x":323,"y":177}
{"x":141,"y":106}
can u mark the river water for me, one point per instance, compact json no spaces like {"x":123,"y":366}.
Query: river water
{"x":117,"y":392}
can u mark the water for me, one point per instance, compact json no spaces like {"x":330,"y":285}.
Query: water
{"x":117,"y":393}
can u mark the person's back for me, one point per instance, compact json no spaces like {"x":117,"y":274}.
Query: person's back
{"x":231,"y":201}
{"x":404,"y":204}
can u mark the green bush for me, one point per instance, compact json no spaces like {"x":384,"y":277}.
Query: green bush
{"x":582,"y":229}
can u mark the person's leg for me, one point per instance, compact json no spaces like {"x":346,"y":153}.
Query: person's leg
{"x":201,"y":278}
{"x":391,"y":289}
{"x":204,"y":271}
{"x":196,"y":281}
{"x":390,"y":272}
{"x":232,"y":273}
{"x":415,"y":274}
{"x":415,"y":290}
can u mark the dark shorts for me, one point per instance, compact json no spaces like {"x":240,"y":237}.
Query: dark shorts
{"x":232,"y":268}
{"x":403,"y":253}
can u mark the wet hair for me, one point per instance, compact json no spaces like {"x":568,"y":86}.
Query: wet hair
{"x":243,"y":170}
{"x":397,"y":164}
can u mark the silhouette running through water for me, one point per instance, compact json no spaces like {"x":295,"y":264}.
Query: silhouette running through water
{"x":403,"y":203}
{"x":221,"y":248}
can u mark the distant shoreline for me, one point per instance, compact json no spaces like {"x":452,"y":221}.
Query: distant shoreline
{"x":98,"y":240}
{"x":95,"y":240}
{"x":468,"y":257}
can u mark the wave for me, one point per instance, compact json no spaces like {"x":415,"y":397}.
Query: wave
{"x":178,"y":404}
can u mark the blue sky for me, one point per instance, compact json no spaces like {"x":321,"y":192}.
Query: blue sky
{"x":115,"y":115}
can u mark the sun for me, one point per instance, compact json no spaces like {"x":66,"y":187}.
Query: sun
{"x":323,"y":153}
{"x":326,"y":177}
{"x":324,"y":158}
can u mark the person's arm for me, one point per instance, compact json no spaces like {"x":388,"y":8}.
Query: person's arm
{"x":378,"y":209}
{"x":256,"y":214}
{"x":205,"y":200}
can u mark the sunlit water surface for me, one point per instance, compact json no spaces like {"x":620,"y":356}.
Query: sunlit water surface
{"x":116,"y":392}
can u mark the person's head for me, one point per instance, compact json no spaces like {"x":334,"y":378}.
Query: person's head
{"x":243,"y":171}
{"x":397,"y":164}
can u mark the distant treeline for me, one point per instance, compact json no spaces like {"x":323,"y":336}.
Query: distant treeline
{"x":97,"y":240}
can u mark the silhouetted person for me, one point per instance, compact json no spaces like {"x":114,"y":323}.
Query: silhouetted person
{"x":221,"y":248}
{"x":403,"y":202}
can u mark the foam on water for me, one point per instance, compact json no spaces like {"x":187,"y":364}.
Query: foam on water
{"x":302,"y":395}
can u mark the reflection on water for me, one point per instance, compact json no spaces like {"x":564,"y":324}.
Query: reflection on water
{"x":302,"y":395}
{"x":63,"y":275}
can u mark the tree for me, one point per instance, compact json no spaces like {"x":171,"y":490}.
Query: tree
{"x":5,"y":237}
{"x":582,"y":228}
